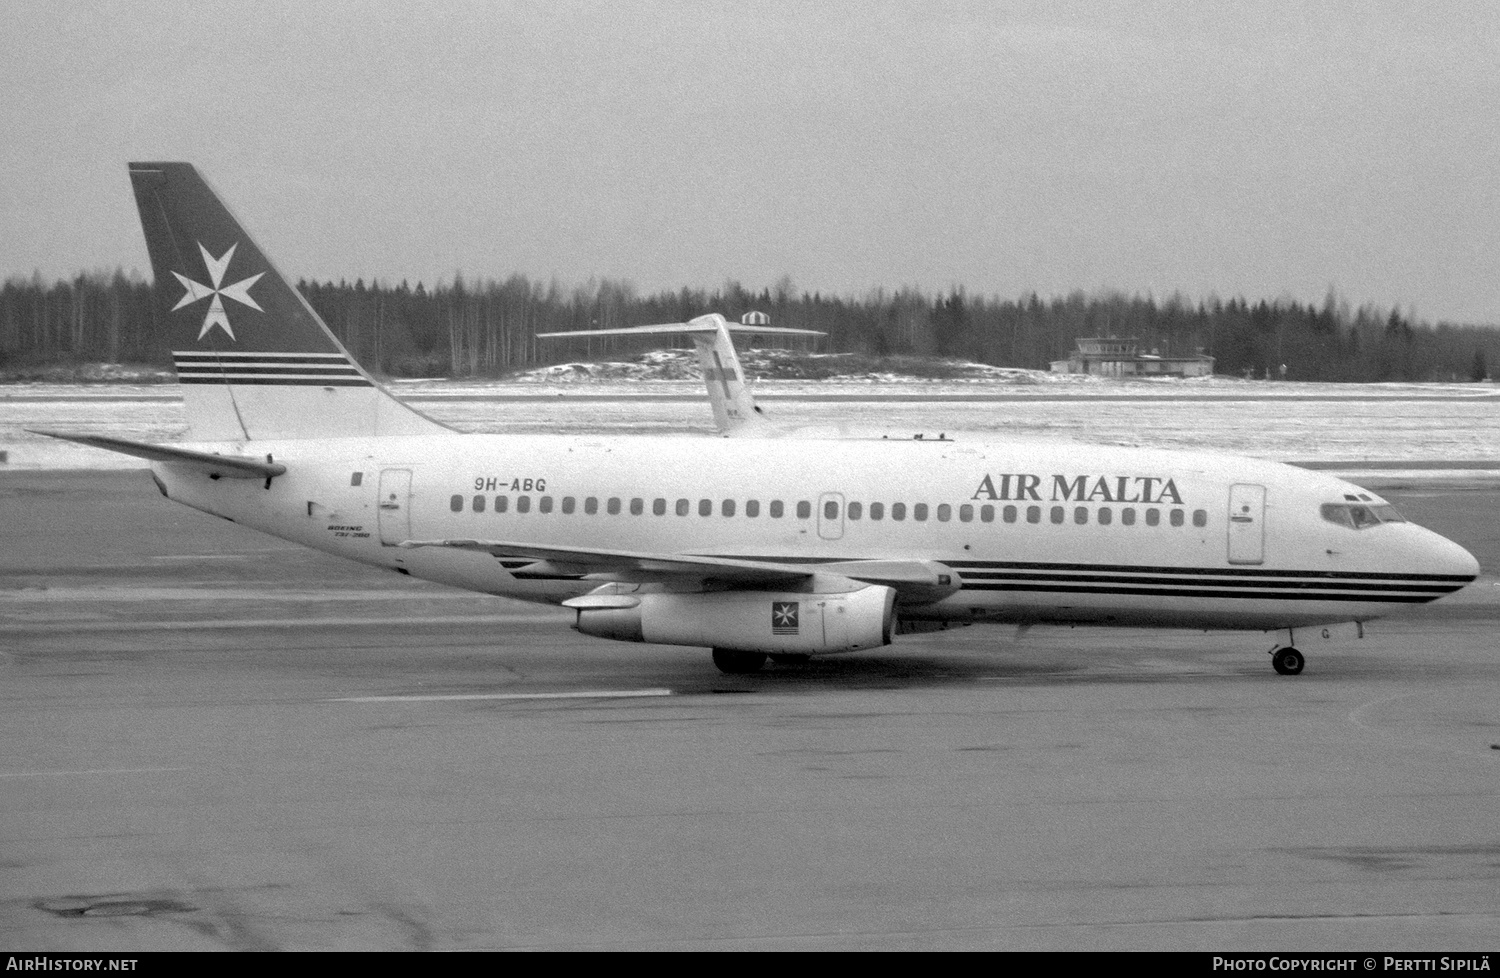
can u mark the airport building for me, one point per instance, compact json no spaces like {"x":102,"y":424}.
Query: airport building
{"x":1109,"y":356}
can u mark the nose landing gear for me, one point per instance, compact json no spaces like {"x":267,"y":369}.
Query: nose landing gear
{"x":1287,"y":661}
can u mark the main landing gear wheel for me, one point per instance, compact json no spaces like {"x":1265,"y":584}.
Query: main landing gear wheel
{"x":736,"y":663}
{"x":790,"y":658}
{"x":1288,"y":662}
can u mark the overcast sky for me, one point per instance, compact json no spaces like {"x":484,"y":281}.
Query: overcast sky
{"x":1251,"y":148}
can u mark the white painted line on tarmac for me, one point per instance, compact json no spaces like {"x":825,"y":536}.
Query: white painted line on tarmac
{"x":108,"y":770}
{"x":59,"y":627}
{"x":596,"y":694}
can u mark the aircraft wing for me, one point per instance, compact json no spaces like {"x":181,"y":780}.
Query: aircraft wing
{"x":226,"y":466}
{"x":913,"y":580}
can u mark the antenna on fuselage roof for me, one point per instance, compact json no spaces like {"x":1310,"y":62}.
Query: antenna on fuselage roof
{"x":736,"y":414}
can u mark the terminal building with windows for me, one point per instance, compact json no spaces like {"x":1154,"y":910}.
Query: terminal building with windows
{"x":1108,"y":356}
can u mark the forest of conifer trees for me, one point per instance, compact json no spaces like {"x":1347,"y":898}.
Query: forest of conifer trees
{"x":488,"y":328}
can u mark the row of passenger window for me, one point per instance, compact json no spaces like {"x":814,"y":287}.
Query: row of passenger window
{"x":776,"y":509}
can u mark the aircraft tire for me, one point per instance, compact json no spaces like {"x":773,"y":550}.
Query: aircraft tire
{"x":735,"y":662}
{"x":790,"y":659}
{"x":1287,"y":662}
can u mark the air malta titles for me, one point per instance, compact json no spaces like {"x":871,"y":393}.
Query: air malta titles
{"x":1079,"y":488}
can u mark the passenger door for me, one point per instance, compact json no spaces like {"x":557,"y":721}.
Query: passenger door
{"x":394,"y":506}
{"x":1247,"y":530}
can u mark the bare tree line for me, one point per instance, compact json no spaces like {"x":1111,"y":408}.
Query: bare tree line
{"x":469,"y":328}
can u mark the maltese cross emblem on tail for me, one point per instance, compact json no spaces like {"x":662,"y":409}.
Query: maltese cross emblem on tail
{"x":239,"y":291}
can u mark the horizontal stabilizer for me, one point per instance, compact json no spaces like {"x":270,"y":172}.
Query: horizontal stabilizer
{"x":697,"y":326}
{"x":225,"y":466}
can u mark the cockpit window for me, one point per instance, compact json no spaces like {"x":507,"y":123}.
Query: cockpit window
{"x":1334,"y":513}
{"x":1358,"y":516}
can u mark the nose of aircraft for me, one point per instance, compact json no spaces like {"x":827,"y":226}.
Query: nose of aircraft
{"x":1449,"y":558}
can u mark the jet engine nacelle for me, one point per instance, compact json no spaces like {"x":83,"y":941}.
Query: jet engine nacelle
{"x":745,"y":621}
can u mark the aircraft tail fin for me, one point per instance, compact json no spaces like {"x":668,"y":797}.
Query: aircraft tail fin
{"x":735,"y":412}
{"x":253,"y":358}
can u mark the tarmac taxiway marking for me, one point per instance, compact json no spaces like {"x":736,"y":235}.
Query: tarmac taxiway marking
{"x":54,"y":627}
{"x":109,"y":770}
{"x":596,"y":694}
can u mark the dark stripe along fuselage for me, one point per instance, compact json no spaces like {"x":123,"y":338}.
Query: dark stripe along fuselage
{"x":1205,"y":582}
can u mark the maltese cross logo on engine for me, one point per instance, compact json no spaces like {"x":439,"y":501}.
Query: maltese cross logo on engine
{"x":239,"y":291}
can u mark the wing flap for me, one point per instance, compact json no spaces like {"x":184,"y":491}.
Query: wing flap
{"x":915,"y":581}
{"x":597,"y":562}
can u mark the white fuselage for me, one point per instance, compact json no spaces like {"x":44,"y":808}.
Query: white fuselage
{"x":1036,"y":531}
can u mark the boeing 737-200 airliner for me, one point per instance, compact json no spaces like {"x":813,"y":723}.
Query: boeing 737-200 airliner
{"x":787,"y":547}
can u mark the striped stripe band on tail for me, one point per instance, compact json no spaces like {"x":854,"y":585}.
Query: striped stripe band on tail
{"x":280,"y":369}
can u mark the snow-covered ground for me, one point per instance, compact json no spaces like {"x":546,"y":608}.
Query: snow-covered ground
{"x":1287,"y":421}
{"x":774,"y":365}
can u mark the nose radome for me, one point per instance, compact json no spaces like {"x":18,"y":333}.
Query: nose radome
{"x":1451,"y":558}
